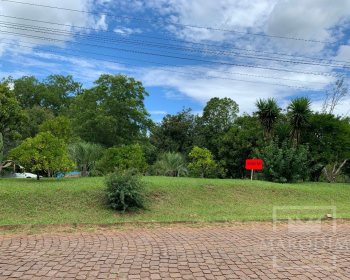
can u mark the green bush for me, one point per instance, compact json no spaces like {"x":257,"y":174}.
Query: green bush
{"x":125,"y":191}
{"x":122,"y":158}
{"x":285,"y":163}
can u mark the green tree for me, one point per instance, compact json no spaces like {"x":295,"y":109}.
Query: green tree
{"x":171,"y":164}
{"x":174,"y":133}
{"x":29,"y":91}
{"x":59,"y":92}
{"x":268,"y":113}
{"x":59,"y":127}
{"x":238,"y":144}
{"x":112,"y":113}
{"x":35,"y":116}
{"x":218,"y":116}
{"x":284,"y":163}
{"x":329,"y":140}
{"x":122,"y":158}
{"x":201,"y":162}
{"x":1,"y":151}
{"x":11,"y":116}
{"x":85,"y":155}
{"x":299,"y":113}
{"x":44,"y":153}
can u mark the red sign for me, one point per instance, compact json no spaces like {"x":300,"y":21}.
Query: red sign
{"x":254,"y":164}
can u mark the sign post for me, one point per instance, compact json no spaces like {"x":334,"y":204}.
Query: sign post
{"x":253,"y":164}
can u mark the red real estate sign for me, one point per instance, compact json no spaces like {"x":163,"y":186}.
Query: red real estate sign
{"x":254,"y":164}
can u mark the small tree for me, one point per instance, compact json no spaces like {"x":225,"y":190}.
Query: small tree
{"x":285,"y":163}
{"x":43,"y":153}
{"x":60,"y":127}
{"x":123,"y":157}
{"x":85,"y":155}
{"x":202,"y":163}
{"x":268,"y":113}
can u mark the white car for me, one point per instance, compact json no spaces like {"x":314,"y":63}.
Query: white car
{"x":25,"y":175}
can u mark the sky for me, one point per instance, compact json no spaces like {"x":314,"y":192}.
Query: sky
{"x":184,"y":51}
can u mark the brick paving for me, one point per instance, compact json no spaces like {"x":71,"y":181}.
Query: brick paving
{"x":212,"y":252}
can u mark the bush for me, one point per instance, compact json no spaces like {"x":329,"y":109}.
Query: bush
{"x":122,"y":158}
{"x":125,"y":191}
{"x":285,"y":163}
{"x":202,"y":163}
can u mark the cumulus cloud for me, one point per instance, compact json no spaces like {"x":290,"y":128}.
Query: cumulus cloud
{"x":12,"y":23}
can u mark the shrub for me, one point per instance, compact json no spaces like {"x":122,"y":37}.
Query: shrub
{"x":123,"y":158}
{"x":170,"y":164}
{"x":125,"y":190}
{"x":284,"y":163}
{"x":202,"y":163}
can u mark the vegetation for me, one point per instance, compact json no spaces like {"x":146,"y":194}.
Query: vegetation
{"x":125,"y":190}
{"x":111,"y":118}
{"x":83,"y":200}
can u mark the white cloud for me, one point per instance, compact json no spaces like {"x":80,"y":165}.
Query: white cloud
{"x":16,"y":11}
{"x":125,"y":31}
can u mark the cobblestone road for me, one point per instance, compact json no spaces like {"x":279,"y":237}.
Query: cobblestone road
{"x":223,"y":252}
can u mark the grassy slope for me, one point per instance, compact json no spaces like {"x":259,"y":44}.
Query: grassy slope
{"x":171,"y":199}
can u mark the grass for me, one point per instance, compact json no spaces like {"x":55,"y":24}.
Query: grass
{"x":82,"y":201}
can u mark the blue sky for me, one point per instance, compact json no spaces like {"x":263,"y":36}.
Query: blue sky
{"x":185,"y":52}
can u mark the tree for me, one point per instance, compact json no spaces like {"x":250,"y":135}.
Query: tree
{"x":85,"y":155}
{"x":285,"y":163}
{"x":238,"y":144}
{"x":174,"y":133}
{"x":59,"y":127}
{"x":171,"y":164}
{"x":112,"y":113}
{"x":122,"y":158}
{"x":1,"y":151}
{"x":44,"y":153}
{"x":333,"y":98}
{"x":11,"y":116}
{"x":299,"y":113}
{"x":35,"y":116}
{"x":329,"y":140}
{"x":201,"y":162}
{"x":268,"y":113}
{"x":59,"y":92}
{"x":29,"y":91}
{"x":218,"y":116}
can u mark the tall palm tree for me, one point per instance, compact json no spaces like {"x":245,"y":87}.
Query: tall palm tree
{"x":85,"y":155}
{"x":268,"y":112}
{"x":299,"y":113}
{"x":172,"y":164}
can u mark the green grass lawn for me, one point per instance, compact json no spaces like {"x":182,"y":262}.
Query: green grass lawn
{"x":82,"y":201}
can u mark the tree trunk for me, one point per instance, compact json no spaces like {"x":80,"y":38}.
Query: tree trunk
{"x":331,"y":176}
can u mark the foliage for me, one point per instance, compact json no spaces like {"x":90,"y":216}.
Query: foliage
{"x":329,"y":141}
{"x":202,"y":163}
{"x":170,"y":164}
{"x":174,"y":133}
{"x":43,"y":153}
{"x":85,"y":155}
{"x":238,"y":144}
{"x":35,"y":116}
{"x":284,"y":163}
{"x":11,"y":116}
{"x":123,"y":157}
{"x":125,"y":191}
{"x":268,"y":113}
{"x":299,"y":113}
{"x":1,"y":149}
{"x":112,"y":113}
{"x":59,"y":127}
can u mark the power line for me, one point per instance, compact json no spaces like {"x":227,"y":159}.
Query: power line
{"x":41,"y":29}
{"x":182,"y":41}
{"x":167,"y":65}
{"x":175,"y":24}
{"x":171,"y":56}
{"x":200,"y":75}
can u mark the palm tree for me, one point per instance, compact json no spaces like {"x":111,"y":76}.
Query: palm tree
{"x":85,"y":155}
{"x":268,"y":112}
{"x":299,"y":112}
{"x":172,"y":164}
